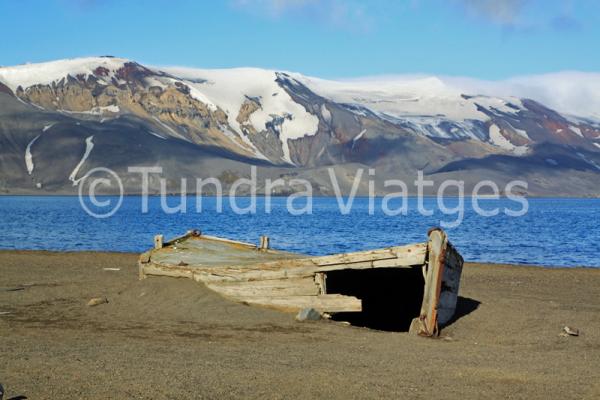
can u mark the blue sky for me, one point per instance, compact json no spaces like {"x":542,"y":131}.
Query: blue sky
{"x":327,"y":38}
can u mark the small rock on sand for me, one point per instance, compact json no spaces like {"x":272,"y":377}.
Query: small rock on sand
{"x":567,"y":330}
{"x":308,"y":314}
{"x":97,"y":301}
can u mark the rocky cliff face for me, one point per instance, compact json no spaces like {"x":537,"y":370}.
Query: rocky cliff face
{"x":133,"y":89}
{"x":282,"y":121}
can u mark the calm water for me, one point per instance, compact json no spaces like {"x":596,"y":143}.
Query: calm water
{"x":559,"y":232}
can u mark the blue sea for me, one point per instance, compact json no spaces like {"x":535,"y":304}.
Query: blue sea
{"x":554,"y":232}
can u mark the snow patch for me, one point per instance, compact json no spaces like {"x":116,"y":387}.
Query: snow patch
{"x":587,"y":160}
{"x":29,"y":157}
{"x":521,"y":132}
{"x":576,"y":130}
{"x":27,"y":75}
{"x":499,"y":140}
{"x":398,"y":98}
{"x":157,"y":135}
{"x":325,"y":113}
{"x":95,"y":111}
{"x":89,"y":145}
{"x":171,"y":130}
{"x":427,"y":105}
{"x":229,"y":88}
{"x":423,"y":100}
{"x":358,"y":137}
{"x":112,"y":108}
{"x":153,"y":81}
{"x":361,"y":134}
{"x":321,"y":152}
{"x":198,"y":95}
{"x":31,"y":104}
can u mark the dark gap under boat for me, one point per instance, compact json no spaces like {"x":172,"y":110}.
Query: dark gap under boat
{"x":391,"y":297}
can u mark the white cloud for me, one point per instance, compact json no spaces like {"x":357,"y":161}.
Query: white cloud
{"x":571,"y":92}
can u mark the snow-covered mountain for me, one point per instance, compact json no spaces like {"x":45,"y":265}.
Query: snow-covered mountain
{"x":278,"y":119}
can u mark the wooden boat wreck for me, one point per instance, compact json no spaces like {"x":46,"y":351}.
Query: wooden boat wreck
{"x":412,"y":287}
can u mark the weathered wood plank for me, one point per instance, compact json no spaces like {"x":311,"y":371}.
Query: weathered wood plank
{"x":161,"y":270}
{"x":413,"y":254}
{"x":264,"y":243}
{"x":279,"y":269}
{"x":158,"y":242}
{"x":177,"y":239}
{"x":426,"y":324}
{"x":349,"y":258}
{"x":270,"y":288}
{"x":321,"y":282}
{"x":322,"y":303}
{"x":305,"y":267}
{"x":450,"y":285}
{"x":234,"y":242}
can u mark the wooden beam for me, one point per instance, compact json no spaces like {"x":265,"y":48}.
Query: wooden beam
{"x":161,"y":270}
{"x":405,"y":256}
{"x":450,"y":285}
{"x":158,"y":242}
{"x":264,"y":243}
{"x":270,"y":288}
{"x":413,"y":254}
{"x":235,"y":242}
{"x":322,"y":303}
{"x":321,"y":281}
{"x":426,"y":324}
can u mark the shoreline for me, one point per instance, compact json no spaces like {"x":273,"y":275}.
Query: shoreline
{"x":317,"y":195}
{"x":137,"y":254}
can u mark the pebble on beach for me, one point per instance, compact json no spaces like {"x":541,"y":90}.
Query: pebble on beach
{"x":97,"y":301}
{"x":308,"y":314}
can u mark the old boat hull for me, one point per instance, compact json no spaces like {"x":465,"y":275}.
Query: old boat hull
{"x":258,"y":275}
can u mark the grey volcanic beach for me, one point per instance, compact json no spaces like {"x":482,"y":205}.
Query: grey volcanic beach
{"x":173,"y":338}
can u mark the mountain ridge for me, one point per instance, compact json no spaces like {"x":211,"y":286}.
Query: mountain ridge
{"x":281,"y":121}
